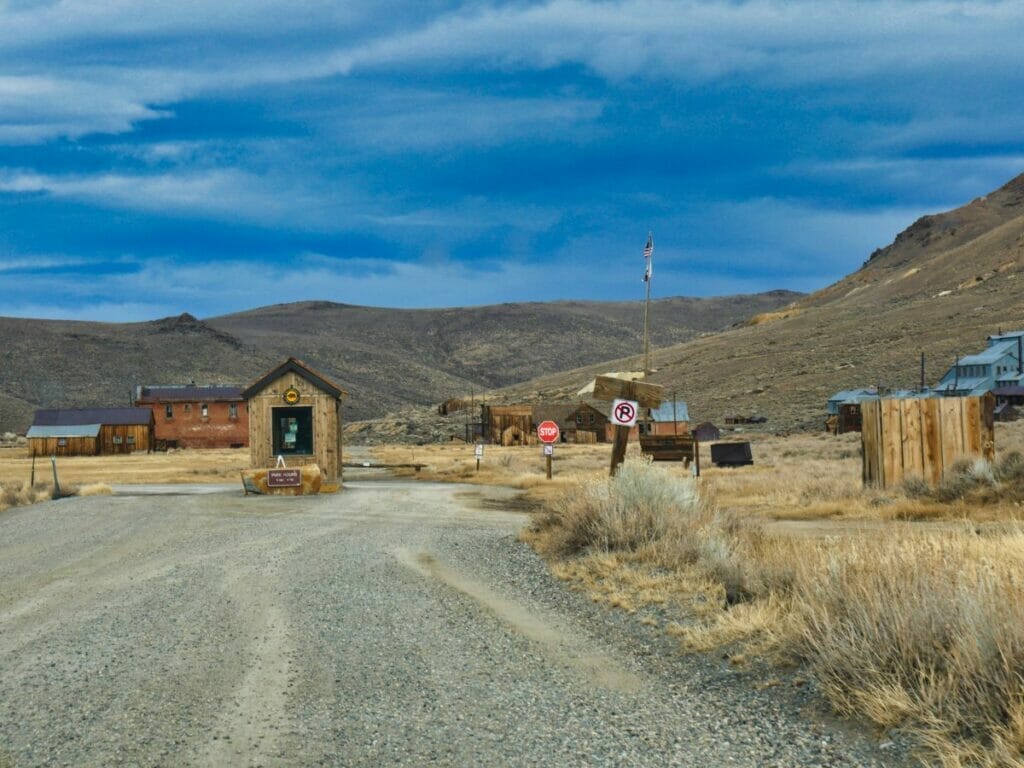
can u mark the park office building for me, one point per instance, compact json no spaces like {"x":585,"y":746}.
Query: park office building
{"x":295,"y":413}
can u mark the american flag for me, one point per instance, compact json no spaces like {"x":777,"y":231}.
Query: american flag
{"x":648,"y":251}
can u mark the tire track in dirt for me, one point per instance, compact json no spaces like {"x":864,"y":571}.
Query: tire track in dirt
{"x":561,"y":645}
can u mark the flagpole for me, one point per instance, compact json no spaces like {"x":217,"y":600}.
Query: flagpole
{"x":649,"y":253}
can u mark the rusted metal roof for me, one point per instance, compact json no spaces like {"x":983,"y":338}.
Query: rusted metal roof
{"x":189,"y":393}
{"x":66,"y":417}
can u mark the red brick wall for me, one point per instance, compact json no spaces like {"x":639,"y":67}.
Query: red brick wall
{"x":189,"y":429}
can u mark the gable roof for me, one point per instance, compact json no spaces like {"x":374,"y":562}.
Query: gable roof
{"x":67,"y":417}
{"x":188,"y":393}
{"x":296,"y":366}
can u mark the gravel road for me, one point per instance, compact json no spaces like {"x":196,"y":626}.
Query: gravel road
{"x":391,"y":624}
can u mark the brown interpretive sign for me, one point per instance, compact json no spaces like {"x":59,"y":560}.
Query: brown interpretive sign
{"x":283,"y":478}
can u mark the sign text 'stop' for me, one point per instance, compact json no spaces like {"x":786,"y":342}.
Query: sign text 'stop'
{"x":548,"y":432}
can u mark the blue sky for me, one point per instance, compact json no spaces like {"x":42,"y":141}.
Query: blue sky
{"x":211,"y":157}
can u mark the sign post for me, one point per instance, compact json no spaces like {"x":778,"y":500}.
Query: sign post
{"x":479,"y":453}
{"x":627,"y":397}
{"x":548,"y":433}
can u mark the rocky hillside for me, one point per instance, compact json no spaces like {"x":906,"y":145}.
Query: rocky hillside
{"x":387,"y":358}
{"x":945,"y":284}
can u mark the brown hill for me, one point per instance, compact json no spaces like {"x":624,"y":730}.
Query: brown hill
{"x":943,"y":286}
{"x":386,"y":358}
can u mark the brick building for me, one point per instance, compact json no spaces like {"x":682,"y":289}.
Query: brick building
{"x":194,"y":416}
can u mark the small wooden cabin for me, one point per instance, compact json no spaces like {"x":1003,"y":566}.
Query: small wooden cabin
{"x":508,"y":424}
{"x":90,"y":431}
{"x":295,"y":413}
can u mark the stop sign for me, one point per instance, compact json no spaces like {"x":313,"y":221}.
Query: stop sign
{"x":548,"y":432}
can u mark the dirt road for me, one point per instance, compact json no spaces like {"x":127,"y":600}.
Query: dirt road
{"x":394,"y":623}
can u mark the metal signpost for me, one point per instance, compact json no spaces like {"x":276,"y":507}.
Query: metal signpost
{"x":479,"y":453}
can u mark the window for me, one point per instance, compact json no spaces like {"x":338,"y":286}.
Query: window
{"x":169,"y":411}
{"x":131,"y":439}
{"x":62,"y":442}
{"x":118,"y":440}
{"x":204,"y":411}
{"x":590,"y":419}
{"x":232,"y":410}
{"x":293,"y":430}
{"x":188,"y":407}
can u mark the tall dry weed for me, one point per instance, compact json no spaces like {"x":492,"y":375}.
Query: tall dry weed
{"x":922,"y":631}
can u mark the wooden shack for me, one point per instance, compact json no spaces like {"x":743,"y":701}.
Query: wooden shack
{"x":295,"y":413}
{"x":924,"y":438}
{"x":508,"y":424}
{"x":90,"y":431}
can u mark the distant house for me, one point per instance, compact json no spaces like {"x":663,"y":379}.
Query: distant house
{"x":580,"y":422}
{"x":90,"y":431}
{"x":707,"y":432}
{"x":999,"y":366}
{"x":193,"y":416}
{"x":671,"y":418}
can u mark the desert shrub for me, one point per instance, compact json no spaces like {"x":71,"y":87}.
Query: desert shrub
{"x":926,"y":632}
{"x":637,"y":507}
{"x":18,"y":494}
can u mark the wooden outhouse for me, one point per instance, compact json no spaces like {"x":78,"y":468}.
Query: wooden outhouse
{"x":295,"y":413}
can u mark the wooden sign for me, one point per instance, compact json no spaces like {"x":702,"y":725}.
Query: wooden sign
{"x":610,"y":388}
{"x":283,"y":478}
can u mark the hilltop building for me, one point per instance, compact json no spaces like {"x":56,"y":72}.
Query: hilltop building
{"x":998,"y":369}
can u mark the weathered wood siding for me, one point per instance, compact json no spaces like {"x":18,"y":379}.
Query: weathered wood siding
{"x":125,"y":438}
{"x":73,"y":446}
{"x":923,"y":437}
{"x":500,"y":419}
{"x":326,"y":425}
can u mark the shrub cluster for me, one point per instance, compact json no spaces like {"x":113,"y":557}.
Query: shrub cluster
{"x":921,"y":630}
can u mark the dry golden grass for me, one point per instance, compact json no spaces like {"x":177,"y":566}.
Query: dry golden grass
{"x":910,"y":625}
{"x":185,"y":466}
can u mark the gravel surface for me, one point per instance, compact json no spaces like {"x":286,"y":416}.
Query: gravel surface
{"x":391,"y":624}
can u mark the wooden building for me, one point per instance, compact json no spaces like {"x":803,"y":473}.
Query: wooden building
{"x":579,"y":422}
{"x":91,"y":431}
{"x":508,"y":424}
{"x":295,"y":413}
{"x":192,"y":416}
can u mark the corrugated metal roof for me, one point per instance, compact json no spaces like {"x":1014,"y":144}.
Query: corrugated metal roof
{"x":664,"y":412}
{"x":71,"y":430}
{"x":993,"y":354}
{"x":57,"y":417}
{"x":190,"y":393}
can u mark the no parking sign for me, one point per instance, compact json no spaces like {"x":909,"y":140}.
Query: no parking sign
{"x":624,"y":412}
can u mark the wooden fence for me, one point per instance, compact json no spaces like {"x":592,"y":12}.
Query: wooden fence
{"x":924,"y":437}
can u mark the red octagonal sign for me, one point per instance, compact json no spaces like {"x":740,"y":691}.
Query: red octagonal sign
{"x":548,"y":432}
